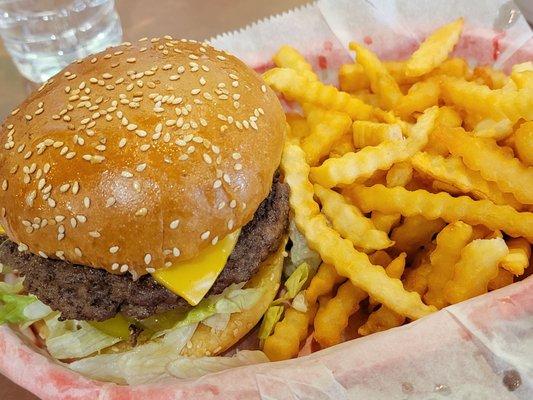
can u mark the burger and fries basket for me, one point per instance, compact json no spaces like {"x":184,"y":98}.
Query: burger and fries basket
{"x":478,"y":349}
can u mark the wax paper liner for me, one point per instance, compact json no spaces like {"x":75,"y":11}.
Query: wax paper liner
{"x":479,"y":349}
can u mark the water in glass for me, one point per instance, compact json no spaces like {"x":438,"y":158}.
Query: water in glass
{"x":43,"y":36}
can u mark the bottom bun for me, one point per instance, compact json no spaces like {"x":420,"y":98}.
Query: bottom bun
{"x":205,"y":341}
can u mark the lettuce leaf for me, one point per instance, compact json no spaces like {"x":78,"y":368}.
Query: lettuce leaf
{"x":12,"y":308}
{"x":300,"y":252}
{"x":270,"y":319}
{"x":185,"y":367}
{"x":147,"y":363}
{"x":297,"y":280}
{"x":83,"y":340}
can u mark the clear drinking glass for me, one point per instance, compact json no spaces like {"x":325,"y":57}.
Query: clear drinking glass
{"x":43,"y":36}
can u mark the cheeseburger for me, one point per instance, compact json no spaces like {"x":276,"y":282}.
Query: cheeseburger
{"x":140,"y":193}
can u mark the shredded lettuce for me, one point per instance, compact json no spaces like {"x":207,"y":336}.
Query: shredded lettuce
{"x":76,"y":340}
{"x":185,"y":367}
{"x":270,"y":319}
{"x":232,"y":300}
{"x":300,"y":252}
{"x":16,"y":308}
{"x":297,"y":280}
{"x":218,"y":322}
{"x":299,"y":302}
{"x":147,"y":363}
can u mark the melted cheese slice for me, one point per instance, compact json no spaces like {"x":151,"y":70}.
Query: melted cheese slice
{"x":192,"y":279}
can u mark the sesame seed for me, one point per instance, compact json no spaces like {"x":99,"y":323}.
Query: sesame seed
{"x":114,"y":249}
{"x":174,"y":224}
{"x":122,"y":142}
{"x":147,"y":259}
{"x":195,"y":91}
{"x":77,"y":251}
{"x":141,"y":167}
{"x":214,"y":241}
{"x":131,"y":127}
{"x":233,"y":204}
{"x":150,"y":270}
{"x":176,"y":252}
{"x":141,"y":133}
{"x":43,"y":255}
{"x":144,"y":147}
{"x":126,"y":174}
{"x":81,"y":218}
{"x":94,"y":234}
{"x":115,"y":266}
{"x":221,"y":58}
{"x":230,"y":224}
{"x":124,"y":268}
{"x":217,"y":184}
{"x":131,"y":59}
{"x":141,"y":212}
{"x":237,"y":167}
{"x":205,"y":235}
{"x":110,"y":201}
{"x":236,"y":156}
{"x":22,"y":247}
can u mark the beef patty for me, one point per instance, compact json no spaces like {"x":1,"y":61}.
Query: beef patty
{"x":85,"y":293}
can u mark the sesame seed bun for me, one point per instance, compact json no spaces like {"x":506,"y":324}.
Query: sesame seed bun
{"x":139,"y":156}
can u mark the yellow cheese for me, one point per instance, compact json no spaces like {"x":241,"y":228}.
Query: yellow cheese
{"x":192,"y":279}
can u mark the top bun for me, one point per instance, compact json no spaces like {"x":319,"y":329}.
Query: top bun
{"x":139,"y":156}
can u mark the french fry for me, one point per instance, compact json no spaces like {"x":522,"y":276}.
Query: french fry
{"x":455,"y":66}
{"x":435,"y":49}
{"x":332,"y":316}
{"x":380,"y":257}
{"x":493,"y":78}
{"x":288,"y":82}
{"x":381,"y":82}
{"x":416,"y":279}
{"x":322,"y":283}
{"x":288,"y":334}
{"x":366,"y":96}
{"x":337,"y":251}
{"x":442,"y":205}
{"x":415,"y":232}
{"x":497,"y":130}
{"x":342,"y":146}
{"x":385,"y":222}
{"x":435,"y":146}
{"x":450,"y":241}
{"x":523,"y":79}
{"x":439,"y":186}
{"x":523,"y":143}
{"x":381,"y":320}
{"x":492,"y":163}
{"x":368,"y":133}
{"x":326,"y":128}
{"x":477,"y":266}
{"x":298,"y":125}
{"x":481,"y":100}
{"x":400,"y":174}
{"x":350,"y":222}
{"x":352,"y":78}
{"x":518,"y":258}
{"x":503,"y":279}
{"x":394,"y":269}
{"x":289,"y":57}
{"x":421,"y":95}
{"x":452,"y":171}
{"x":353,"y":166}
{"x":448,"y":117}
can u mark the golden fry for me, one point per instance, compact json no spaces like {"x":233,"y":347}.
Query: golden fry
{"x":288,"y":82}
{"x":322,"y":283}
{"x":298,"y":125}
{"x":415,"y":232}
{"x":448,"y":118}
{"x":326,"y":128}
{"x":518,"y":258}
{"x":497,"y":130}
{"x":352,"y":78}
{"x":342,"y":146}
{"x":442,"y":205}
{"x":385,"y":222}
{"x":380,"y":257}
{"x":452,"y":171}
{"x":450,"y":241}
{"x":400,"y":174}
{"x":332,"y":317}
{"x":493,"y":78}
{"x":477,"y":266}
{"x":368,"y":133}
{"x":523,"y":142}
{"x":381,"y":82}
{"x":421,"y":95}
{"x":481,"y":100}
{"x":337,"y":251}
{"x":435,"y":49}
{"x":491,"y":162}
{"x":289,"y":57}
{"x":350,"y":222}
{"x":284,"y":343}
{"x":353,"y":166}
{"x":503,"y":279}
{"x":381,"y":320}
